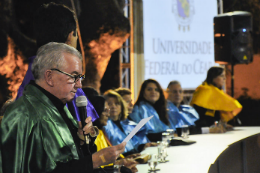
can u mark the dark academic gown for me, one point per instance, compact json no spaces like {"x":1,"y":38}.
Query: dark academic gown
{"x":36,"y":136}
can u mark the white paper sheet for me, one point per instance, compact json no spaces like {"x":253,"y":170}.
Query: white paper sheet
{"x":137,"y":128}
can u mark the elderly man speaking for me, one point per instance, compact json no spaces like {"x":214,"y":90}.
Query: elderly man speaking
{"x":38,"y":133}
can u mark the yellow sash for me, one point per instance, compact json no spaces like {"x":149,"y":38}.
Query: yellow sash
{"x":210,"y":97}
{"x":102,"y":142}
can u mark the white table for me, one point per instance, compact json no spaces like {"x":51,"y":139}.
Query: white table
{"x":197,"y":158}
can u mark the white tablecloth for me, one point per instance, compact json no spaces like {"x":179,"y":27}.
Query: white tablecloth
{"x":197,"y":158}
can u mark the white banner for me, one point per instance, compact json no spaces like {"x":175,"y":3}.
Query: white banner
{"x":178,"y":40}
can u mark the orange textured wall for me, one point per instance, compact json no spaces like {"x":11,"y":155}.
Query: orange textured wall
{"x":245,"y":76}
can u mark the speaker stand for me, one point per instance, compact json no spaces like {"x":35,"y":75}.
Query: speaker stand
{"x":236,"y":120}
{"x":232,"y":80}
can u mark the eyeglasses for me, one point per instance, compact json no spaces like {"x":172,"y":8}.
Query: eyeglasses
{"x":74,"y":77}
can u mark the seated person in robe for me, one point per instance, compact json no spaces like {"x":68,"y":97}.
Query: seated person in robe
{"x":118,"y":126}
{"x":184,"y":114}
{"x":212,"y":103}
{"x":151,"y":102}
{"x":178,"y":113}
{"x":101,"y":141}
{"x":125,"y":93}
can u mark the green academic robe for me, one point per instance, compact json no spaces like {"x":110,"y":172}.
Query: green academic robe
{"x":34,"y":136}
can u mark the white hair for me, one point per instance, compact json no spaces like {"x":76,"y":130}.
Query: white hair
{"x":51,"y":55}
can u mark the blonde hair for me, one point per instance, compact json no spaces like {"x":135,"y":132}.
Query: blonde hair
{"x":124,"y":110}
{"x":123,"y":91}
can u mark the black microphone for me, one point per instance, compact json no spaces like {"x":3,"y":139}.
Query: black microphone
{"x":81,"y":103}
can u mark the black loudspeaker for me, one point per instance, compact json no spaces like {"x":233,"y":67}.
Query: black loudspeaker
{"x":233,"y":40}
